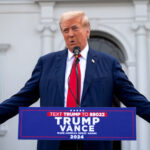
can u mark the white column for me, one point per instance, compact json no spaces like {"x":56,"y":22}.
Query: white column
{"x":125,"y":145}
{"x":141,"y":48}
{"x":142,"y":78}
{"x":141,"y":9}
{"x":131,"y":71}
{"x":129,"y":68}
{"x":3,"y":49}
{"x":149,"y":64}
{"x":142,"y":59}
{"x":47,"y":26}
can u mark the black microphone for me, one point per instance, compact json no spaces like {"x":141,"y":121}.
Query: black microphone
{"x":76,"y":51}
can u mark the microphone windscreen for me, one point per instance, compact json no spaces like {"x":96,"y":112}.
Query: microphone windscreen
{"x":76,"y":50}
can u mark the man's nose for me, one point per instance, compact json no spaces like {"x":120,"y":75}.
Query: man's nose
{"x":71,"y":34}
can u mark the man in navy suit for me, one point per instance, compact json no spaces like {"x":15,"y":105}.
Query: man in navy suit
{"x":101,"y":78}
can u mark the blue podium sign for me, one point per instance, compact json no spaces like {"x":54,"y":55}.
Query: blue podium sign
{"x":58,"y":123}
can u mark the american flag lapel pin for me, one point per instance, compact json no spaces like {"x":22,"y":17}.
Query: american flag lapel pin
{"x":93,"y":61}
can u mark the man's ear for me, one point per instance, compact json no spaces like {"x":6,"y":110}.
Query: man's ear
{"x":88,"y":32}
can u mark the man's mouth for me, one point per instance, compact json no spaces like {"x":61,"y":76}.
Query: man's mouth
{"x":72,"y":42}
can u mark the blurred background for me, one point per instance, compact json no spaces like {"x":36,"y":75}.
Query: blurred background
{"x":30,"y":29}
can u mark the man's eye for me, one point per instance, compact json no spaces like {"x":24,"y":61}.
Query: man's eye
{"x":75,"y":28}
{"x":66,"y":30}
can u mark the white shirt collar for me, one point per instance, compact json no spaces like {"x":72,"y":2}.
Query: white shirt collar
{"x":83,"y":53}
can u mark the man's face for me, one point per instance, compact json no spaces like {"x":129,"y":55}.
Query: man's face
{"x":75,"y":34}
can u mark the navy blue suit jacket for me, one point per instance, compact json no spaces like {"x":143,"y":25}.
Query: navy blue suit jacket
{"x":103,"y":79}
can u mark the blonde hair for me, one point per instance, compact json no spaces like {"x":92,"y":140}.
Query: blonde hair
{"x":73,"y":14}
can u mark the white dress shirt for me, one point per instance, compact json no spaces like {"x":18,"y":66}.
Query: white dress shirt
{"x":82,"y":62}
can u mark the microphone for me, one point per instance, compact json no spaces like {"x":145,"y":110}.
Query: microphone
{"x":76,"y":51}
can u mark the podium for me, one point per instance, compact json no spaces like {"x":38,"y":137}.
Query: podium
{"x":82,"y":123}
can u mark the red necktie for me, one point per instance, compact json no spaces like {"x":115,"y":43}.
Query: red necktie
{"x":72,"y":86}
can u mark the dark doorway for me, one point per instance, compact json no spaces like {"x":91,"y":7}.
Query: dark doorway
{"x":106,"y":43}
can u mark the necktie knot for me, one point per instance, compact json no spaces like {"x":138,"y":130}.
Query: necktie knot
{"x":77,"y":56}
{"x":76,"y":59}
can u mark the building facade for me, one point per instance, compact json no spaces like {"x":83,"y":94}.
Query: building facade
{"x":30,"y":28}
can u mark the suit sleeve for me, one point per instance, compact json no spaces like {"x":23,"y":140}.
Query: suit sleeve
{"x":126,"y":92}
{"x":25,"y":97}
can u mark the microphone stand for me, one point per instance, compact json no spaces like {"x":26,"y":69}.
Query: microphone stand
{"x":77,"y":74}
{"x":78,"y":143}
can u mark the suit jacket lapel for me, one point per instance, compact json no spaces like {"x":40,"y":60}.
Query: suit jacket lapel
{"x":90,"y":72}
{"x":60,"y":73}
